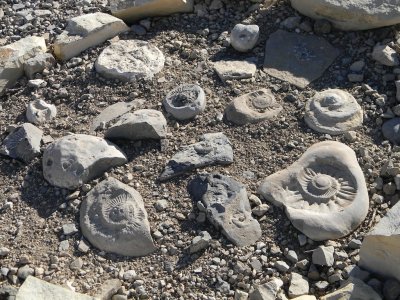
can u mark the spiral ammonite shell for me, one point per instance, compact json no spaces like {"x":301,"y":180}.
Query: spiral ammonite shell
{"x":333,"y":111}
{"x":113,"y":219}
{"x":324,"y":192}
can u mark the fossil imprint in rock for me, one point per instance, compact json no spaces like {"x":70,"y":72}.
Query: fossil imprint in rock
{"x":333,"y":111}
{"x":324,"y":192}
{"x":113,"y":219}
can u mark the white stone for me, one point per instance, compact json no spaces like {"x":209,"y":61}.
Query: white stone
{"x":141,"y":124}
{"x":13,"y":57}
{"x":75,"y":159}
{"x":397,"y":83}
{"x":333,"y":111}
{"x":244,"y":37}
{"x":134,"y":10}
{"x":351,"y":14}
{"x":36,"y":289}
{"x":235,"y":69}
{"x":39,"y":111}
{"x":113,"y":218}
{"x":87,"y":31}
{"x":298,"y":285}
{"x":266,"y":291}
{"x":324,"y":193}
{"x":385,"y":55}
{"x":129,"y":60}
{"x":379,"y":251}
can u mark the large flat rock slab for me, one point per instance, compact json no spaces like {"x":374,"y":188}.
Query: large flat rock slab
{"x":296,"y":58}
{"x":36,"y":289}
{"x":380,"y":250}
{"x":351,"y":14}
{"x":87,"y":31}
{"x":133,"y":10}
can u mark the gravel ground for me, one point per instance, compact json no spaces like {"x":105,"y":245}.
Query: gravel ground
{"x":32,"y":228}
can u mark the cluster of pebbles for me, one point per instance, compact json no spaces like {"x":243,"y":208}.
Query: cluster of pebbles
{"x":169,"y":165}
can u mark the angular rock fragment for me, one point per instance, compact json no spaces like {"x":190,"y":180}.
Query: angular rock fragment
{"x":228,"y":207}
{"x":200,"y":242}
{"x":244,"y":37}
{"x":353,"y":289}
{"x":130,"y":60}
{"x":23,"y":143}
{"x":113,"y":218}
{"x":296,"y":58}
{"x":324,"y":193}
{"x":323,"y":256}
{"x":38,"y":63}
{"x":351,"y":14}
{"x":36,"y":289}
{"x":266,"y":291}
{"x":333,"y":111}
{"x":185,"y":102}
{"x":379,"y":251}
{"x":397,"y":83}
{"x":391,"y":130}
{"x":75,"y":159}
{"x":114,"y":111}
{"x":87,"y":31}
{"x":139,"y":125}
{"x":298,"y":285}
{"x":131,"y":11}
{"x":253,"y":107}
{"x":213,"y":149}
{"x":108,"y":289}
{"x":235,"y":69}
{"x":39,"y":111}
{"x":13,"y":57}
{"x":385,"y":55}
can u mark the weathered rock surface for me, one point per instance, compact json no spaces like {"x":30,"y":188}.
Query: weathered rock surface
{"x":130,"y":60}
{"x":131,"y":11}
{"x":391,"y":130}
{"x":324,"y":193}
{"x":323,"y":256}
{"x":235,"y":69}
{"x":227,"y":206}
{"x":266,"y":291}
{"x":298,"y":285}
{"x":385,"y":55}
{"x":139,"y":125}
{"x":75,"y":159}
{"x":213,"y":149}
{"x":253,"y":107}
{"x":351,"y":14}
{"x":296,"y":58}
{"x":13,"y":57}
{"x":23,"y":143}
{"x":200,"y":242}
{"x":185,"y":102}
{"x":38,"y":63}
{"x":108,"y":289}
{"x":114,"y":111}
{"x":379,"y":251}
{"x":36,"y":289}
{"x":353,"y":289}
{"x":113,"y":218}
{"x":333,"y":111}
{"x":87,"y":31}
{"x":39,"y":111}
{"x":244,"y":37}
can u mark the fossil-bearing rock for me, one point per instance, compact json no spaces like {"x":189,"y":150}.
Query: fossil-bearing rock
{"x":253,"y":107}
{"x":324,"y":193}
{"x":244,"y":37}
{"x":333,"y":111}
{"x":77,"y":158}
{"x":39,"y":111}
{"x":228,"y":207}
{"x":113,"y":218}
{"x":185,"y":101}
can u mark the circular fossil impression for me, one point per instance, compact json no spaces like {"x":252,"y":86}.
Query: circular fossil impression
{"x":324,"y":192}
{"x":39,"y":111}
{"x":253,"y":107}
{"x":113,"y":219}
{"x":185,"y":102}
{"x":333,"y":111}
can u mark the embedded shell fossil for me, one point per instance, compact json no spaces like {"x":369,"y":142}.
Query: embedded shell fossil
{"x":324,"y":192}
{"x":333,"y":111}
{"x":113,"y":219}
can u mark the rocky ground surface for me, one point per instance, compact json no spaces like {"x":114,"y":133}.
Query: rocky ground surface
{"x":36,"y":218}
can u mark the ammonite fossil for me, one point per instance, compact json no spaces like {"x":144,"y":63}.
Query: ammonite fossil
{"x":333,"y":111}
{"x":113,"y":219}
{"x":253,"y":107}
{"x":185,"y":102}
{"x":324,"y":192}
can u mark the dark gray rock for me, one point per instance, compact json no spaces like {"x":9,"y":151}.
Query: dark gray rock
{"x":213,"y":149}
{"x":228,"y":207}
{"x":391,"y":289}
{"x":391,"y":130}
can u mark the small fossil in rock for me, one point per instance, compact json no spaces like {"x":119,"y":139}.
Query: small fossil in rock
{"x":39,"y":111}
